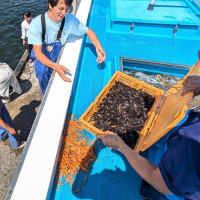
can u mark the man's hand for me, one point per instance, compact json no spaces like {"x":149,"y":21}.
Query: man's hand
{"x":60,"y":69}
{"x":24,"y":42}
{"x":11,"y":130}
{"x":112,"y":140}
{"x":192,"y":84}
{"x":101,"y":56}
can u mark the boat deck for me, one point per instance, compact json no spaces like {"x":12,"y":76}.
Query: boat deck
{"x":122,"y":35}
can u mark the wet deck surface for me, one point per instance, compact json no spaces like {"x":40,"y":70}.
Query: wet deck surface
{"x":23,"y":109}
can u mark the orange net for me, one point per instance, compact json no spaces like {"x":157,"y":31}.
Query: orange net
{"x":76,"y":153}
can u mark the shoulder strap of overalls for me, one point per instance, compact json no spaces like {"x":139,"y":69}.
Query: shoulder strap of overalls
{"x":61,"y":29}
{"x":43,"y":27}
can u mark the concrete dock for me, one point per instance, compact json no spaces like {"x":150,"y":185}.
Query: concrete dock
{"x":23,"y":109}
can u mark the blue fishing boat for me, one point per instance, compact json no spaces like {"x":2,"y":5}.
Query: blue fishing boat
{"x":140,"y":38}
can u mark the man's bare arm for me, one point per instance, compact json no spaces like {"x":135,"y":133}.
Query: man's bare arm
{"x":147,"y":170}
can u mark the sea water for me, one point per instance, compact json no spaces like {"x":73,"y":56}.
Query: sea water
{"x":11,"y":16}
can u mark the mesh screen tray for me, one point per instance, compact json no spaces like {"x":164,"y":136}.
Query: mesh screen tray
{"x":168,"y":109}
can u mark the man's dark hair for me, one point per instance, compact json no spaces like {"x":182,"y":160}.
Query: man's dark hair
{"x":55,"y":2}
{"x":27,"y":13}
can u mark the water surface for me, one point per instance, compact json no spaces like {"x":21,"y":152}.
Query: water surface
{"x":11,"y":48}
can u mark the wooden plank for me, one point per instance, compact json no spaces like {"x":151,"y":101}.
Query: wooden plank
{"x":20,"y":66}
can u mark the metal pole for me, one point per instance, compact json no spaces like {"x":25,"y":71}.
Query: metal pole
{"x":151,"y":5}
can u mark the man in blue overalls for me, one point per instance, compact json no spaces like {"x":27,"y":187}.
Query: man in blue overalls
{"x":6,"y":127}
{"x":49,"y":32}
{"x":178,"y":170}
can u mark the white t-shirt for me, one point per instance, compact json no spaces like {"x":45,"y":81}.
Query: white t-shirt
{"x":24,"y":29}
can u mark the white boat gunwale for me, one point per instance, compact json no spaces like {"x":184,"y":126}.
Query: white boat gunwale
{"x":36,"y":168}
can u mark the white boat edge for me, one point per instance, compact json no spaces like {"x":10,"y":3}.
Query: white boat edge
{"x":36,"y":168}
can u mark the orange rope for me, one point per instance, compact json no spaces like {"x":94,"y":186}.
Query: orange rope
{"x":76,"y":153}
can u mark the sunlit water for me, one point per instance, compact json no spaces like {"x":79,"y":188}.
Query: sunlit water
{"x":11,"y":49}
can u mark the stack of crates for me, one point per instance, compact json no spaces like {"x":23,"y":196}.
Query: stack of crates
{"x":167,"y":111}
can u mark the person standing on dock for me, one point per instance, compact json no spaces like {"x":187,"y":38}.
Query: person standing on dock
{"x":49,"y":32}
{"x":24,"y":29}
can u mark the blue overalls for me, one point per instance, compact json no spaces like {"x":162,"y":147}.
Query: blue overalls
{"x":4,"y":134}
{"x":51,"y":51}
